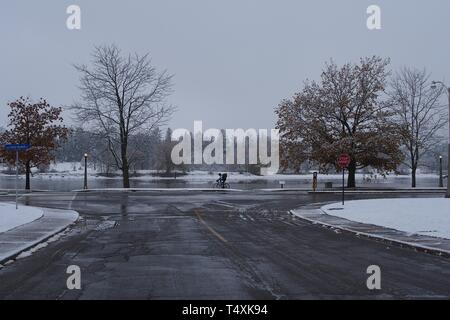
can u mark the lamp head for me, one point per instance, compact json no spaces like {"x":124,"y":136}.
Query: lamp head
{"x":433,"y":85}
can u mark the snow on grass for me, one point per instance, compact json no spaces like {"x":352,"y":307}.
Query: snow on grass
{"x":11,"y":218}
{"x":75,"y":170}
{"x":416,"y":216}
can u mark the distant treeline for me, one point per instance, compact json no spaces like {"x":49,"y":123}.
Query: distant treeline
{"x":153,"y":152}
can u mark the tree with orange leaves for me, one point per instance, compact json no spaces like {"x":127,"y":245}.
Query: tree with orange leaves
{"x":35,"y":123}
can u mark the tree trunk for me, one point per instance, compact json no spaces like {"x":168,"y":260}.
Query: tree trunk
{"x":125,"y":164}
{"x":126,"y":177}
{"x":27,"y":175}
{"x":125,"y":173}
{"x":351,"y":181}
{"x":413,"y":177}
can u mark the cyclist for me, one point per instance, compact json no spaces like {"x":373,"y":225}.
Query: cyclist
{"x":222,"y":179}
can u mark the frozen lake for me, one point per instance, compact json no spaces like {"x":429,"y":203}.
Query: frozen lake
{"x":69,"y":183}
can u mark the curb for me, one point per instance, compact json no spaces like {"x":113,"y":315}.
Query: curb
{"x":381,"y":191}
{"x":387,"y":240}
{"x":304,"y":190}
{"x":23,"y":191}
{"x":158,"y":190}
{"x":71,"y":216}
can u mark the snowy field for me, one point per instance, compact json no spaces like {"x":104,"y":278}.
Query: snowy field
{"x":76,"y":170}
{"x":416,"y":216}
{"x":11,"y":218}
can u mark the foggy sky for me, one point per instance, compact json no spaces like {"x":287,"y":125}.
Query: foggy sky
{"x":233,"y":60}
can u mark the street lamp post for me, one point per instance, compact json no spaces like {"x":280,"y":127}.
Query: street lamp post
{"x":441,"y":178}
{"x":434,"y":85}
{"x":85,"y":171}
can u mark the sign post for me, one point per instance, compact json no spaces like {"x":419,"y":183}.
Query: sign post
{"x":315,"y":181}
{"x":16,"y":148}
{"x":343,"y":162}
{"x":85,"y":187}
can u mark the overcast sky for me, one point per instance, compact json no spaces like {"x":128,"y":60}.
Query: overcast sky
{"x":233,"y":60}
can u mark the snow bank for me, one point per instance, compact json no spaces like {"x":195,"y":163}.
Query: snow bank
{"x":11,"y":218}
{"x":416,"y":216}
{"x":75,"y":170}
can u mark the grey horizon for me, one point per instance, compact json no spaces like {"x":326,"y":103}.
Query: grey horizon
{"x":233,"y":61}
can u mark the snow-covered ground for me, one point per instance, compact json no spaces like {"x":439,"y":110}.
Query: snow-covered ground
{"x":76,"y":170}
{"x":11,"y":218}
{"x":416,"y":216}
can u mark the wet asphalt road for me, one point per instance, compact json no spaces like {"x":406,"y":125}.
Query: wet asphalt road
{"x":194,"y":245}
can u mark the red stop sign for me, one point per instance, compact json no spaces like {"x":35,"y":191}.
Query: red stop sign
{"x":344,"y":160}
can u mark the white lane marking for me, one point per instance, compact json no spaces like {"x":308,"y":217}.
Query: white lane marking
{"x":214,"y":232}
{"x":71,"y":201}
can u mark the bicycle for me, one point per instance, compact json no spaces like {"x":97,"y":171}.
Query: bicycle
{"x":221,"y":185}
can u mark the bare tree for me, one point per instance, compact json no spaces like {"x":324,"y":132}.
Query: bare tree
{"x":420,"y":113}
{"x":122,"y":96}
{"x":165,"y":152}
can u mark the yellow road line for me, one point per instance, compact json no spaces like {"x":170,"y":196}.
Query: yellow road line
{"x":214,"y":232}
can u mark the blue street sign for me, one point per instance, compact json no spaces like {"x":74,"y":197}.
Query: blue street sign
{"x":16,"y":147}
